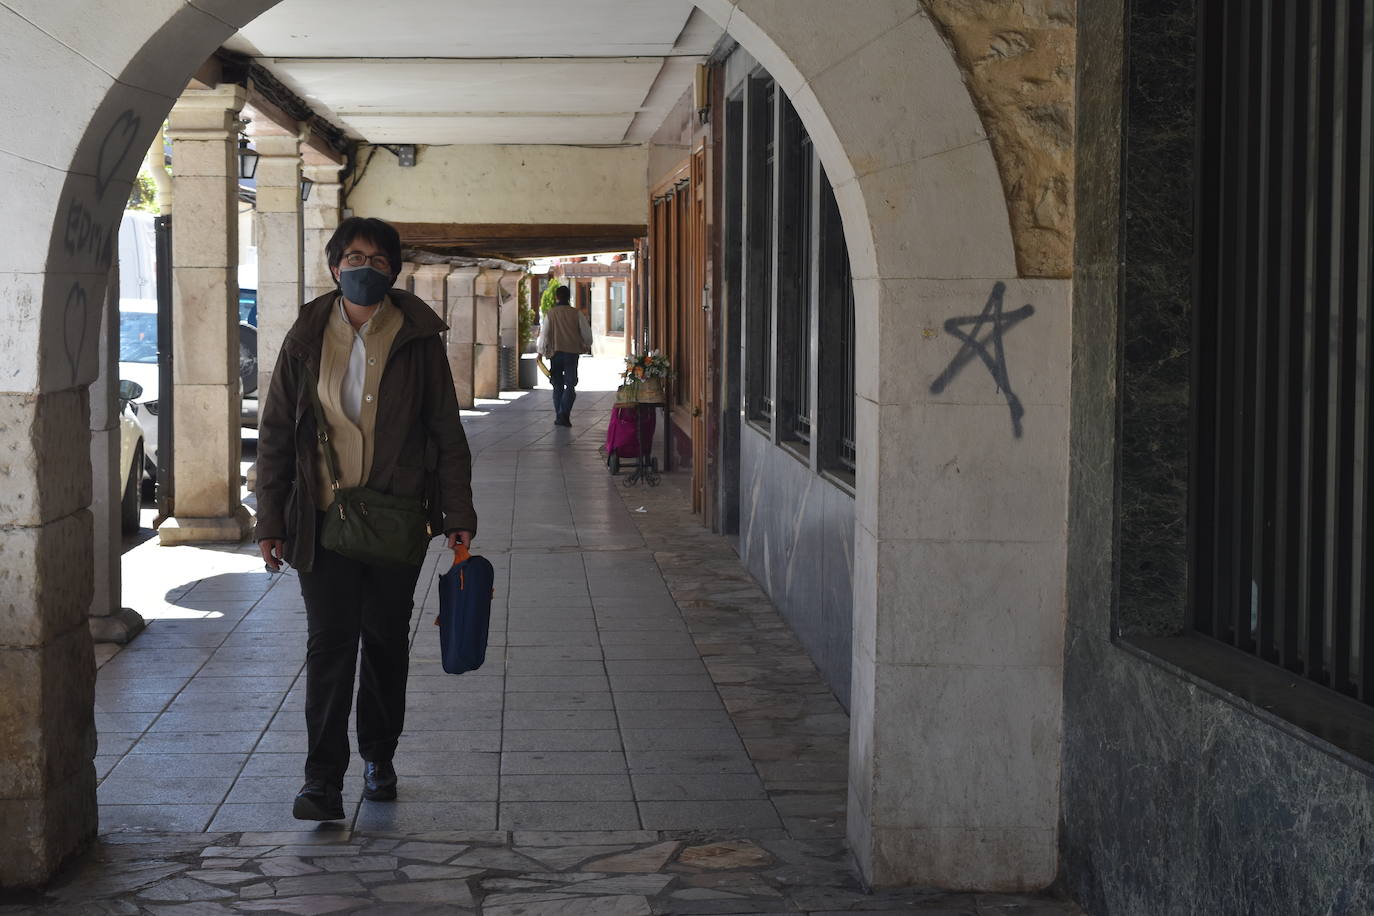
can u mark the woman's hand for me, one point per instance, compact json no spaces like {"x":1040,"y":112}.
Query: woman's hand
{"x":461,"y":536}
{"x":272,"y":552}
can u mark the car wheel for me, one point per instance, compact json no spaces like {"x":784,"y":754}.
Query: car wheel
{"x":133,"y":493}
{"x":248,"y":358}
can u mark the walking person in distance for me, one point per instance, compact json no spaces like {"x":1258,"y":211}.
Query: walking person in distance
{"x":564,"y":335}
{"x":361,"y":396}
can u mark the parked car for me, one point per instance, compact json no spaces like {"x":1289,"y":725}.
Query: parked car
{"x":138,"y":364}
{"x":131,"y":458}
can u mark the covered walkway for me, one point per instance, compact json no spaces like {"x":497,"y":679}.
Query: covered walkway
{"x":646,"y":736}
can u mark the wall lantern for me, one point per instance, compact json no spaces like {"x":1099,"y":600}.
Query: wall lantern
{"x":306,"y":185}
{"x":248,"y":159}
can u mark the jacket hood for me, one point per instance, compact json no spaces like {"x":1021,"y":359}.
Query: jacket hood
{"x":307,"y":334}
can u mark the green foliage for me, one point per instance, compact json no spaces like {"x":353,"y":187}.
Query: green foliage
{"x":547,"y":301}
{"x":525,"y":312}
{"x":143,"y":196}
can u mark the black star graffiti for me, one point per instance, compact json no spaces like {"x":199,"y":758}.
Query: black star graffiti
{"x":996,"y":358}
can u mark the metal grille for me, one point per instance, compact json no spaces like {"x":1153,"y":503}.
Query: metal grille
{"x":1280,"y":492}
{"x":795,"y":260}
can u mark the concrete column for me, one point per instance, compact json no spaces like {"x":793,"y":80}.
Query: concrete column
{"x":204,"y":127}
{"x":279,"y":241}
{"x":407,"y":271}
{"x":320,"y":216}
{"x":110,"y":621}
{"x":430,"y":285}
{"x":462,"y":330}
{"x":510,"y":322}
{"x":487,"y":356}
{"x":959,"y":558}
{"x":510,"y":307}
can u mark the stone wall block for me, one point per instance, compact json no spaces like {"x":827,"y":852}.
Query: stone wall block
{"x":21,"y":306}
{"x":208,"y":473}
{"x":999,"y":604}
{"x":55,"y":78}
{"x":273,"y":199}
{"x":206,"y":322}
{"x":1031,"y":316}
{"x":971,"y":477}
{"x":909,"y":54}
{"x":1009,"y":859}
{"x":200,"y":242}
{"x":44,"y":456}
{"x":114,"y":43}
{"x":909,"y":207}
{"x":44,"y":589}
{"x":32,"y":189}
{"x":38,"y":835}
{"x":202,"y":159}
{"x":47,"y":724}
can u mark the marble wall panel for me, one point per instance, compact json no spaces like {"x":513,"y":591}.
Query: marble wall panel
{"x":1175,"y":797}
{"x":796,"y":537}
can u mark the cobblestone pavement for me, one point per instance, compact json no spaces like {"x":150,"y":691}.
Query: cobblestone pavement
{"x":646,"y":736}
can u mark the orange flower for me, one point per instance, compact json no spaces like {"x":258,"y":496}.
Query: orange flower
{"x":639,"y":372}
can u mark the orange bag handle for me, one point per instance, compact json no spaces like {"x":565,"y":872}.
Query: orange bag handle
{"x":460,"y":555}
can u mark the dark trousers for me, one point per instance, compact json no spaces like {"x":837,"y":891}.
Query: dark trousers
{"x":563,"y":376}
{"x":347,"y":602}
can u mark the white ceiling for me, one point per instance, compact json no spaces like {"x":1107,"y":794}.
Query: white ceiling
{"x":484,"y":71}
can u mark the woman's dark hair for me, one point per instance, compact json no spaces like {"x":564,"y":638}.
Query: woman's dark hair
{"x":562,"y":294}
{"x":381,"y":234}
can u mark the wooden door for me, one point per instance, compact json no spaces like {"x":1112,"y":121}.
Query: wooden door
{"x":696,"y":305}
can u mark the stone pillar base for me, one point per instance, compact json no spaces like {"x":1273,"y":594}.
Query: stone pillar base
{"x":118,"y":627}
{"x":234,"y":529}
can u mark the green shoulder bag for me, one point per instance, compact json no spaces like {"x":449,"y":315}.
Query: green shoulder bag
{"x":364,"y":524}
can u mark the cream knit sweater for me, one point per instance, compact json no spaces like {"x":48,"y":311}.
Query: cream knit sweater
{"x":352,"y":441}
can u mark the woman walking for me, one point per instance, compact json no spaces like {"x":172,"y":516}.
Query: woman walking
{"x":367,"y":364}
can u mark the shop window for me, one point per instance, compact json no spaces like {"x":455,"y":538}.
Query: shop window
{"x":796,"y":197}
{"x":615,"y":318}
{"x":760,"y":248}
{"x":1281,"y":497}
{"x":835,"y":339}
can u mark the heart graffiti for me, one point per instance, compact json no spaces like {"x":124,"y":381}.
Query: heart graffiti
{"x":74,"y":321}
{"x":114,"y":149}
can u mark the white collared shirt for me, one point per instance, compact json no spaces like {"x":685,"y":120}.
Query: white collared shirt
{"x":355,"y":376}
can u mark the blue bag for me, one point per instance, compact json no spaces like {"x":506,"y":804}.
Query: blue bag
{"x":465,"y":594}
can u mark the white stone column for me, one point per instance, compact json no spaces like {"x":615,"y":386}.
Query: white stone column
{"x":278,"y":219}
{"x":462,"y":330}
{"x":403,"y":278}
{"x":204,"y":127}
{"x":110,"y":621}
{"x":320,"y":215}
{"x":509,"y":328}
{"x":958,"y":585}
{"x":430,"y":285}
{"x":486,"y":369}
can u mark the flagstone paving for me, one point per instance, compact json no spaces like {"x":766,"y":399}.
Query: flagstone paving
{"x":646,"y":735}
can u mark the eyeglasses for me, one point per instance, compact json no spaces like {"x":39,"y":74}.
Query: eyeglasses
{"x":358,"y":259}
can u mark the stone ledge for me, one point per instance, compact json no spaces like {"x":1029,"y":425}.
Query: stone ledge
{"x":224,"y":529}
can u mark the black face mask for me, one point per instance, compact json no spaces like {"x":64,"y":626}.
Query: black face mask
{"x":364,"y":285}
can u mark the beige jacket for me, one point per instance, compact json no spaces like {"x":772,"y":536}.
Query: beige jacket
{"x":353,"y":443}
{"x":564,"y":330}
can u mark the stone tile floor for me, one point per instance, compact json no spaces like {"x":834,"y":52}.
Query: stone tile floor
{"x":646,"y":736}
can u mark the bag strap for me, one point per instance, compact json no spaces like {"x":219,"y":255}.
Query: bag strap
{"x":322,"y":428}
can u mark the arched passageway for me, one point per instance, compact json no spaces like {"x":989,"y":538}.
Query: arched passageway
{"x":954,"y":746}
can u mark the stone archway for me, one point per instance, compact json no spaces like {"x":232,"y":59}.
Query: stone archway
{"x":955,"y":737}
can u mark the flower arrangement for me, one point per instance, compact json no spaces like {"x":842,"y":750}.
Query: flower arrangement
{"x":647,"y":365}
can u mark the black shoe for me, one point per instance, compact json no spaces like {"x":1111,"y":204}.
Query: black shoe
{"x":562,"y":420}
{"x":379,"y":781}
{"x":318,"y":801}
